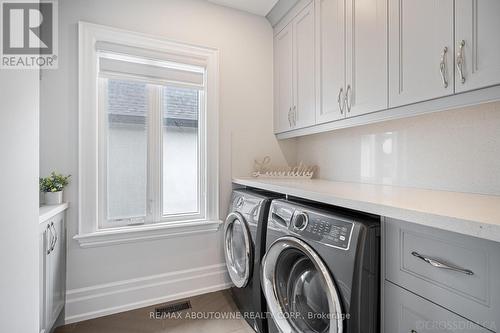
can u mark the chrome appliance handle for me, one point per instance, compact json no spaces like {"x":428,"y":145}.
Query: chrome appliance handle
{"x":460,"y":60}
{"x":442,"y":67}
{"x":438,"y":264}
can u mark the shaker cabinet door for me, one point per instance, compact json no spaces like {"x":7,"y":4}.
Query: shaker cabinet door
{"x":304,"y":106}
{"x":330,"y":59}
{"x":477,"y":44}
{"x":420,"y":50}
{"x":407,"y":312}
{"x":44,"y":241}
{"x":56,"y":270}
{"x":283,"y":88}
{"x":366,"y":61}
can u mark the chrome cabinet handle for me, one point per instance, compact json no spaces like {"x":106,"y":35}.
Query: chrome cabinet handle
{"x":438,"y":264}
{"x":289,"y":116}
{"x":51,"y":241}
{"x":294,"y":115}
{"x":460,"y":60}
{"x":55,"y":236}
{"x":348,"y":98}
{"x":339,"y":99}
{"x":442,"y":67}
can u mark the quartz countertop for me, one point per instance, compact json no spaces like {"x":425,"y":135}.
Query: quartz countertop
{"x":48,"y":211}
{"x":465,"y":213}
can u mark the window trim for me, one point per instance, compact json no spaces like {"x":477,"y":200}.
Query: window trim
{"x":88,"y":213}
{"x":122,"y":235}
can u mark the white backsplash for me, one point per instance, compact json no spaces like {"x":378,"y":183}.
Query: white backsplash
{"x":457,"y":150}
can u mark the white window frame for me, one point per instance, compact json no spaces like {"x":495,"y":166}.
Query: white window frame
{"x":90,"y":193}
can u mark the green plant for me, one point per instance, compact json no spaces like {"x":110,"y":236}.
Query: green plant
{"x":54,"y":183}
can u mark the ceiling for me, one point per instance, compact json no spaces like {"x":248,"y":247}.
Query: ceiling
{"x":259,"y":7}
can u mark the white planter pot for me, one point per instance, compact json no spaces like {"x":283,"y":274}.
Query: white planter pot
{"x":53,"y":198}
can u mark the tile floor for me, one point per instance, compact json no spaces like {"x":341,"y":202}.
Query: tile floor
{"x":139,"y":321}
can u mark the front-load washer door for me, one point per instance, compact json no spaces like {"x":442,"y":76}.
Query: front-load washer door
{"x":238,"y":249}
{"x":299,"y":290}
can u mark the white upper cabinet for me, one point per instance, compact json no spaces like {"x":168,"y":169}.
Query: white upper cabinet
{"x":420,"y":50}
{"x":304,"y":107}
{"x":477,"y":44}
{"x":330,"y":59}
{"x":343,"y":63}
{"x":294,"y":73}
{"x":366,"y":61}
{"x":283,"y":94}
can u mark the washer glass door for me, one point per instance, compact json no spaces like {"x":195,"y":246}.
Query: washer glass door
{"x":238,"y":249}
{"x":299,"y":290}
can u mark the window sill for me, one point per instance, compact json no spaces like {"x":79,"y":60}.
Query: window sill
{"x":145,"y":233}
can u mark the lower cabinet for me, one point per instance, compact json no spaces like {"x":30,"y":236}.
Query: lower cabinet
{"x":438,"y":281}
{"x":52,"y":271}
{"x":407,"y":312}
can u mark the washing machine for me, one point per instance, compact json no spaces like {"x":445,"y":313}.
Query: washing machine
{"x":320,"y":272}
{"x":244,"y":245}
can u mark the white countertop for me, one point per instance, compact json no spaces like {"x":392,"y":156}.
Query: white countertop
{"x":48,"y":211}
{"x":470,"y":214}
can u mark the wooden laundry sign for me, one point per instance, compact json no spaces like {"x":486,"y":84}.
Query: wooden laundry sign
{"x":264,"y":169}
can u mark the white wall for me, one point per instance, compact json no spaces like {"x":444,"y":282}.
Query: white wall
{"x":455,"y":150}
{"x":245,"y":44}
{"x":19,"y":277}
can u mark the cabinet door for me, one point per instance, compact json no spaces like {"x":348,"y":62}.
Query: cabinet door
{"x":477,"y":44}
{"x":283,"y":98}
{"x":421,"y":39}
{"x":407,"y":312}
{"x":56,"y":270}
{"x":304,"y":107}
{"x":330,"y":59}
{"x":366,"y":61}
{"x":44,"y":241}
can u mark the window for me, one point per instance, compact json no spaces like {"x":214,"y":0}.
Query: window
{"x":134,"y":111}
{"x":148,"y":135}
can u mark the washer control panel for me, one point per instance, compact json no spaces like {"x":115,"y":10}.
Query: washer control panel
{"x":330,"y":230}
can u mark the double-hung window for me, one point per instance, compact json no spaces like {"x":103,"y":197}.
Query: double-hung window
{"x":148,"y":133}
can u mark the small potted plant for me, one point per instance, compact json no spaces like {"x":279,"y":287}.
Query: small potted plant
{"x":52,"y":186}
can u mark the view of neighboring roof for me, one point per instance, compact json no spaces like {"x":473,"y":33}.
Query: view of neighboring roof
{"x":127,"y":103}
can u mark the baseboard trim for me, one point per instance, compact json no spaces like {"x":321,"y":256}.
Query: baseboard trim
{"x":105,"y":299}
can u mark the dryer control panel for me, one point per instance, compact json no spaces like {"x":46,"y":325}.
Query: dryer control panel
{"x":330,"y":230}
